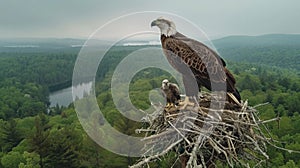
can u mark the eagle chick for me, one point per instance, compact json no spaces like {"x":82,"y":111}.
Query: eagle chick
{"x":170,"y":92}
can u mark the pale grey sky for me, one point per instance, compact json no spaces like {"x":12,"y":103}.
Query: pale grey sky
{"x":79,"y":18}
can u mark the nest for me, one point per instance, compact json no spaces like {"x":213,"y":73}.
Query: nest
{"x":201,"y":135}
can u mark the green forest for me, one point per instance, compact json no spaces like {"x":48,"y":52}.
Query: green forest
{"x":33,"y":135}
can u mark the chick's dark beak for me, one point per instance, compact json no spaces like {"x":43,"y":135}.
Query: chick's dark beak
{"x":153,"y":23}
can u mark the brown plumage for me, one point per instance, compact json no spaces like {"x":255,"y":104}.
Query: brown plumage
{"x":206,"y":66}
{"x":170,"y":92}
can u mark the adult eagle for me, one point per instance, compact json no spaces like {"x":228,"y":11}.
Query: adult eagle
{"x":171,"y":92}
{"x":203,"y":64}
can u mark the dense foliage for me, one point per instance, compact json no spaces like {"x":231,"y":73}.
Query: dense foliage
{"x":51,"y":70}
{"x":32,"y":137}
{"x":275,"y":50}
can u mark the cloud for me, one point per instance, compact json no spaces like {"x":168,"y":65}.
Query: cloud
{"x":62,"y":18}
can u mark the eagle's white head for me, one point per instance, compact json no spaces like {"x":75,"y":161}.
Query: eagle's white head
{"x":166,"y":27}
{"x":165,"y":84}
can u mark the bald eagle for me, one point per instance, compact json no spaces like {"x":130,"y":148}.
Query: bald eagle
{"x":206,"y":66}
{"x":171,"y":92}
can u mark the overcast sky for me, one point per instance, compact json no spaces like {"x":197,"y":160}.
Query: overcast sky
{"x":80,"y":18}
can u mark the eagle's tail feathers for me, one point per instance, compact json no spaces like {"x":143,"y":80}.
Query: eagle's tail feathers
{"x":236,"y":93}
{"x":233,"y":98}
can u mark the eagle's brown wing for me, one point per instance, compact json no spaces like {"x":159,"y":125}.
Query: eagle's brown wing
{"x":175,"y":91}
{"x":199,"y":59}
{"x":207,"y":66}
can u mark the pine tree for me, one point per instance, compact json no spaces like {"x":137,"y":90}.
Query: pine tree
{"x":10,"y":135}
{"x":39,"y":139}
{"x":64,"y":148}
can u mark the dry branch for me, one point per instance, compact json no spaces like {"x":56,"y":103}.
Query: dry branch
{"x":229,"y":134}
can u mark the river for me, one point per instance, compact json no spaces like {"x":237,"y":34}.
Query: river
{"x":64,"y":97}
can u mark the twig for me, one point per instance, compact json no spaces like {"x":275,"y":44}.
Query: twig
{"x":270,"y":120}
{"x":150,"y":158}
{"x":207,"y":135}
{"x":179,"y":133}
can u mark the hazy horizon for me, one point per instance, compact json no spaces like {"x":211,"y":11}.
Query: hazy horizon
{"x":78,"y":19}
{"x":142,"y":39}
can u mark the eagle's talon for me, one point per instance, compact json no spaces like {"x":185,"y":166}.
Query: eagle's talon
{"x":186,"y":103}
{"x":169,"y":105}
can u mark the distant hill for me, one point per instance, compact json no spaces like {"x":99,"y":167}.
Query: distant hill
{"x":32,"y":45}
{"x":282,"y":50}
{"x":274,"y":49}
{"x":257,"y":41}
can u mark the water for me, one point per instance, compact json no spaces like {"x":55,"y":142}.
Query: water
{"x":61,"y":97}
{"x":64,"y":97}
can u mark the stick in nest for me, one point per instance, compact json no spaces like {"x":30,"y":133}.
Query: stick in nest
{"x":232,"y":136}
